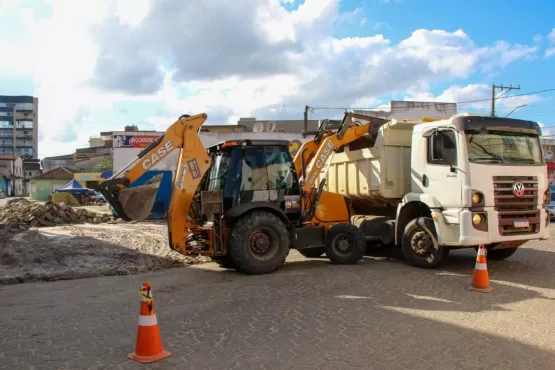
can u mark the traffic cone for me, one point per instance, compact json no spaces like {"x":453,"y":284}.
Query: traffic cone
{"x":480,"y":280}
{"x":148,"y":347}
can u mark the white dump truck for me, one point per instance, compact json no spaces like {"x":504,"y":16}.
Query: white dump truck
{"x":433,"y":185}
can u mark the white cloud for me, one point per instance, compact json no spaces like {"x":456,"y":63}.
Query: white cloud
{"x":246,"y":60}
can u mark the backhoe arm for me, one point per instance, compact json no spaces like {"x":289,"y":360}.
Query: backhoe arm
{"x":136,"y":203}
{"x":327,"y":148}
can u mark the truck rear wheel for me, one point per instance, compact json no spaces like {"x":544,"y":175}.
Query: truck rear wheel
{"x":420,"y":245}
{"x":259,"y":243}
{"x":312,"y":252}
{"x":345,"y":244}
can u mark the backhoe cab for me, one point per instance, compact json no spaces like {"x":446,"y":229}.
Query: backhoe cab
{"x":240,"y":202}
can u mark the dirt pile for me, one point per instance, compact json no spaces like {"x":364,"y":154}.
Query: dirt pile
{"x":81,"y":251}
{"x":21,"y":214}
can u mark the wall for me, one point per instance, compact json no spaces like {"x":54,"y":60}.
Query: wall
{"x":122,"y":156}
{"x":41,"y":189}
{"x":414,"y":110}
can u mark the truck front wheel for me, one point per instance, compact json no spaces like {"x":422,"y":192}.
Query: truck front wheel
{"x":259,"y":243}
{"x":420,"y":246}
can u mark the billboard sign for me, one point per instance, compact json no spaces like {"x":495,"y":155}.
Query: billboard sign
{"x":133,"y":141}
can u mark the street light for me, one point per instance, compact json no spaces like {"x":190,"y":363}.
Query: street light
{"x":520,"y":106}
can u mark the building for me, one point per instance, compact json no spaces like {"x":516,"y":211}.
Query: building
{"x":548,"y":146}
{"x":31,"y":168}
{"x":45,"y":184}
{"x":23,"y":110}
{"x":413,"y":110}
{"x":50,"y":163}
{"x":9,"y":178}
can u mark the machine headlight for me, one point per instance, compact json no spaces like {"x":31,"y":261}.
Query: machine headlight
{"x":477,"y":198}
{"x":478,"y":218}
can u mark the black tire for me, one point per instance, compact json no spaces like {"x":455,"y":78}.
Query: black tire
{"x":498,"y":254}
{"x":224,"y":262}
{"x":312,"y":252}
{"x":259,"y":243}
{"x":420,"y":246}
{"x":345,"y":244}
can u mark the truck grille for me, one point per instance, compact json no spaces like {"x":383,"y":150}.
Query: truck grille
{"x":512,"y":208}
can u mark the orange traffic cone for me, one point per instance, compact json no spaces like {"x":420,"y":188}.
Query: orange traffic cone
{"x":480,"y":280}
{"x":148,"y":347}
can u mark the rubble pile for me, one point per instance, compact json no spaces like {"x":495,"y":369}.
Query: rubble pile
{"x":21,"y":214}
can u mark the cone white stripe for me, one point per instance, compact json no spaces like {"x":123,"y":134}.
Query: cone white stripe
{"x":481,"y":266}
{"x":481,"y":252}
{"x":147,"y":320}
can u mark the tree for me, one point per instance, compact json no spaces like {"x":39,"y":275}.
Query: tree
{"x":107,"y":163}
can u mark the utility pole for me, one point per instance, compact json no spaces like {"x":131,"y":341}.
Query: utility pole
{"x":501,"y":87}
{"x":306,"y":118}
{"x":13,"y":148}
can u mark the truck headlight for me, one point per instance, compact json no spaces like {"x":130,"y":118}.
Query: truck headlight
{"x":477,"y":198}
{"x":547,"y":196}
{"x":478,"y":218}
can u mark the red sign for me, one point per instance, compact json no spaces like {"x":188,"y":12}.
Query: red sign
{"x":141,"y":141}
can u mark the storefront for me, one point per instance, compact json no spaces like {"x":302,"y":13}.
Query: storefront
{"x":89,"y":179}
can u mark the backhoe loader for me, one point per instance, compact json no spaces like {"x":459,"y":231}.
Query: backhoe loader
{"x":240,"y":202}
{"x":333,"y":136}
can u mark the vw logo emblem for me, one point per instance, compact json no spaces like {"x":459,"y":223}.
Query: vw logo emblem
{"x":518,"y":189}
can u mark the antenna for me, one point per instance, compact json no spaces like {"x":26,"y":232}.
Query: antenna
{"x":271,"y":126}
{"x":258,"y":127}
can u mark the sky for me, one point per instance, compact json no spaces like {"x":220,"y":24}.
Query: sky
{"x":98,"y":65}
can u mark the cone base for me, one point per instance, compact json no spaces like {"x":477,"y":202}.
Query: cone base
{"x":148,"y":359}
{"x":480,"y":290}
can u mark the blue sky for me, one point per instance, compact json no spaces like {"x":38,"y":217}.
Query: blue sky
{"x":96,"y":67}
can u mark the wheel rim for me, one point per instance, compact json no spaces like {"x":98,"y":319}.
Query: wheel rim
{"x":423,"y":246}
{"x":263,"y":244}
{"x":343,"y":245}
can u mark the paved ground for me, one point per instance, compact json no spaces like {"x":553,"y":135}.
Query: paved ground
{"x":380,"y":314}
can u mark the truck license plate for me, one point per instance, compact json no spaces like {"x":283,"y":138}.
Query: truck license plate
{"x":520,"y":223}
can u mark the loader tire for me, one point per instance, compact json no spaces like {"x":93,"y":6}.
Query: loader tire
{"x":259,"y":243}
{"x":345,"y":244}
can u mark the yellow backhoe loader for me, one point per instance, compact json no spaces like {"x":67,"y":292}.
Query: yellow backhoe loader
{"x":241,"y":202}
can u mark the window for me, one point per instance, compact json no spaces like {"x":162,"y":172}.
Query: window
{"x":267,"y":168}
{"x":493,"y":146}
{"x":442,"y":148}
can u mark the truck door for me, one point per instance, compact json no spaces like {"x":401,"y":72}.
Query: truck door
{"x":442,"y":177}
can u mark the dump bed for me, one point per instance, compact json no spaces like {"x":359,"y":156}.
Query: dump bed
{"x":378,"y":175}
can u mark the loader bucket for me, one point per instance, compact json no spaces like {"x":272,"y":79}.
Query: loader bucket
{"x":137,"y":201}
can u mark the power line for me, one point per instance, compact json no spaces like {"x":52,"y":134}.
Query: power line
{"x":431,"y":104}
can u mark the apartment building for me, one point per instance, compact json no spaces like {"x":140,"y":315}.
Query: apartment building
{"x":23,"y":111}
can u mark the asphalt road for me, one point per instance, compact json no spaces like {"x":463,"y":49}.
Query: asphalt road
{"x":379,"y":314}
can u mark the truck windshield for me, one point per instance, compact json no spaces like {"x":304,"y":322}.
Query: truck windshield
{"x":494,"y":146}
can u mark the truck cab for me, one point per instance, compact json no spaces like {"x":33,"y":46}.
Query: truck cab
{"x":483,"y":179}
